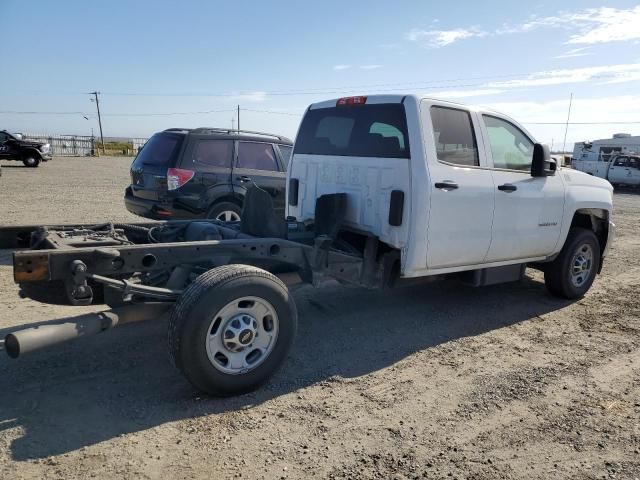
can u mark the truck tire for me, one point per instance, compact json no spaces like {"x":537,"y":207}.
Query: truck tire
{"x":571,"y":274}
{"x":231,"y":329}
{"x":31,"y":161}
{"x":225,"y":211}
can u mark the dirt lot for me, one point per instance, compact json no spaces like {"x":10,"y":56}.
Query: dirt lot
{"x":426,"y":382}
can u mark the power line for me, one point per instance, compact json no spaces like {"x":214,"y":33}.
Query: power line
{"x":272,"y":112}
{"x":13,"y":112}
{"x":583,"y":123}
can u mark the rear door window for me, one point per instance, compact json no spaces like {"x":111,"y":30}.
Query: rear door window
{"x":377,"y":130}
{"x":213,"y":153}
{"x":454,"y":136}
{"x":257,"y":156}
{"x":160,"y":150}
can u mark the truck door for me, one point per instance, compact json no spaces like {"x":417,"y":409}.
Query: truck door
{"x":528,"y":210}
{"x":462,"y":194}
{"x":619,"y":171}
{"x":8,"y":146}
{"x":634,"y":167}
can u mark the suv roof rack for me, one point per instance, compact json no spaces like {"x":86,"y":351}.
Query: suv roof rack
{"x":232,"y":131}
{"x":177,"y":129}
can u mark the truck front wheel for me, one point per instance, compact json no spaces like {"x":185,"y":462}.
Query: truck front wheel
{"x":31,"y":161}
{"x":231,"y":329}
{"x":572,"y":273}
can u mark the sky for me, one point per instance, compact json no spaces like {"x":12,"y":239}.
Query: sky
{"x":161,"y":64}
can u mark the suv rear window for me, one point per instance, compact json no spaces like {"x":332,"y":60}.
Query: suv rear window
{"x":378,"y":130}
{"x":161,"y":150}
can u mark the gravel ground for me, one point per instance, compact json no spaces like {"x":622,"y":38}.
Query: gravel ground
{"x":424,"y":382}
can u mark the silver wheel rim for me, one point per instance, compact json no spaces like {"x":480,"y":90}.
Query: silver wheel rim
{"x":581,"y":265}
{"x":30,"y":161}
{"x":242,"y":335}
{"x":228,"y":216}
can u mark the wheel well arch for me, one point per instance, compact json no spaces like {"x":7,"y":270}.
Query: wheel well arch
{"x":225,"y":198}
{"x":594,"y":219}
{"x":33,"y":151}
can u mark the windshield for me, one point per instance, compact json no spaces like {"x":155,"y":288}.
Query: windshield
{"x":161,"y":150}
{"x":359,"y":131}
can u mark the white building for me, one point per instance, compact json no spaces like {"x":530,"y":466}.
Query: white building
{"x":601,"y":150}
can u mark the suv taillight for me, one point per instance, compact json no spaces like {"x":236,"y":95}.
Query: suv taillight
{"x":177,"y":177}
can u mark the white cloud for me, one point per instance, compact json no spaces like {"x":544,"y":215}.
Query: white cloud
{"x":601,"y":109}
{"x":587,"y":27}
{"x":253,"y":96}
{"x":341,"y":67}
{"x":370,"y":67}
{"x":625,"y":72}
{"x":576,"y":52}
{"x":442,"y":38}
{"x":465,"y":93}
{"x":603,"y":25}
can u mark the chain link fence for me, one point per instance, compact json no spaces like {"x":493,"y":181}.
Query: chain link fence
{"x":86,"y":146}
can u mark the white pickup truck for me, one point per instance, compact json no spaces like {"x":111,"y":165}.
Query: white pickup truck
{"x":473,"y":190}
{"x":381,"y":190}
{"x":621,"y":169}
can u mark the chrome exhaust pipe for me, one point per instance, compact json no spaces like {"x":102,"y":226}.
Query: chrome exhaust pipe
{"x":31,"y":339}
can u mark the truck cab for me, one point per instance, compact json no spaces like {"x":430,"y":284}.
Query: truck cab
{"x":624,"y":170}
{"x":458,"y":178}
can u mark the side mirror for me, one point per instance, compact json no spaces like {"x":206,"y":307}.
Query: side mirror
{"x":542,"y":165}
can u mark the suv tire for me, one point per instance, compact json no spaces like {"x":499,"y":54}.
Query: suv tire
{"x":225,"y":211}
{"x":31,"y":161}
{"x":207,"y":325}
{"x":572,"y":273}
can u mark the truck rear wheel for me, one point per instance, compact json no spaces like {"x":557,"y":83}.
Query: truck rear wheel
{"x":231,"y":329}
{"x":572,"y":273}
{"x":31,"y":161}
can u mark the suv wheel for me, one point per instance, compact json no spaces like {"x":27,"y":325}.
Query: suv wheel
{"x":225,"y":211}
{"x":31,"y":161}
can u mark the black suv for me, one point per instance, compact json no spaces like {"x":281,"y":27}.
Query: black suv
{"x":29,"y":152}
{"x":205,"y":172}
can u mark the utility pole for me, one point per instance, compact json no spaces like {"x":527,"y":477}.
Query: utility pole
{"x":233,"y":123}
{"x":238,"y":117}
{"x":566,"y":129}
{"x":95,"y":94}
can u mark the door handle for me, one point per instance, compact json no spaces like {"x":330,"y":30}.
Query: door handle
{"x":446,"y":185}
{"x":244,"y":178}
{"x":507,"y":187}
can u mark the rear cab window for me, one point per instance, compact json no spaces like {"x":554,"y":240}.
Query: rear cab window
{"x":161,"y":150}
{"x":374,"y":130}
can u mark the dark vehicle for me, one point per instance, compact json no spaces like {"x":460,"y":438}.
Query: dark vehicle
{"x":29,"y":152}
{"x":205,"y":172}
